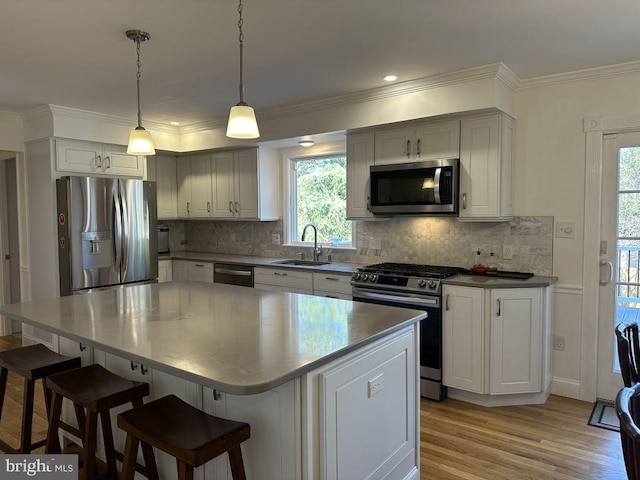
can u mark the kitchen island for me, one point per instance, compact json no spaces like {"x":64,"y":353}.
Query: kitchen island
{"x":328,"y":385}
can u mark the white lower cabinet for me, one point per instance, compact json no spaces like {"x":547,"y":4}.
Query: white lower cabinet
{"x":185,"y":270}
{"x":332,"y":285}
{"x":283,"y":280}
{"x":340,"y":400}
{"x":165,"y":270}
{"x":497,"y":342}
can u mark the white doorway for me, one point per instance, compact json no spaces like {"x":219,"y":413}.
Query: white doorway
{"x":619,"y":293}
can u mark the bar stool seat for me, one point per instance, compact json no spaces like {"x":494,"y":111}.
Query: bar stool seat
{"x":94,"y":390}
{"x":190,"y":435}
{"x":33,"y":362}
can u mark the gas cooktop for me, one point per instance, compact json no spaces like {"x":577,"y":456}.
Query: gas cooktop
{"x":411,"y":270}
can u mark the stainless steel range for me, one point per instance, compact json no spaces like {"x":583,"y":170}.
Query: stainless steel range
{"x":411,"y":286}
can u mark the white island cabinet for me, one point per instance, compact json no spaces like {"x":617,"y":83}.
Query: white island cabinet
{"x":328,"y":386}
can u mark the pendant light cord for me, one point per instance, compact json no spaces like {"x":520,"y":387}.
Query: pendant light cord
{"x":241,"y":40}
{"x":138,"y":83}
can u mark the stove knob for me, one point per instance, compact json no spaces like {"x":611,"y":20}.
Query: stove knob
{"x":365,"y":277}
{"x":356,"y":276}
{"x":373,"y":278}
{"x":432,"y":284}
{"x":422,"y":282}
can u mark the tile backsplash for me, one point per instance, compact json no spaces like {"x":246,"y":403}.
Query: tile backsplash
{"x":425,"y":240}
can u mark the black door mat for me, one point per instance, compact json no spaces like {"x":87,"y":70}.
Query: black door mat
{"x":604,"y":415}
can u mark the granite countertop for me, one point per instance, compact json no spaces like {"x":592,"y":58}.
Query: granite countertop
{"x":236,"y":339}
{"x":271,"y":262}
{"x":488,"y":281}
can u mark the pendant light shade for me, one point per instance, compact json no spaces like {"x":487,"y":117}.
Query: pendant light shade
{"x":242,"y":119}
{"x":140,"y":141}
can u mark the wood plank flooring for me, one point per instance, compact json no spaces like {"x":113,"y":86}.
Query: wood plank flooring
{"x":459,"y":441}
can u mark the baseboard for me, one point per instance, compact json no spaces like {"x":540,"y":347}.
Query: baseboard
{"x":499,"y":400}
{"x":565,"y":387}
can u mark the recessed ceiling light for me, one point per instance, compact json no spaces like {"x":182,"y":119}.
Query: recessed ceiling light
{"x":390,"y":78}
{"x":306,"y":142}
{"x":175,"y":124}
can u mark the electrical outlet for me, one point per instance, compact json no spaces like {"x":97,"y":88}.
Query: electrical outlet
{"x":558,"y":342}
{"x":275,"y":238}
{"x":375,"y":385}
{"x":565,"y":229}
{"x":507,"y":252}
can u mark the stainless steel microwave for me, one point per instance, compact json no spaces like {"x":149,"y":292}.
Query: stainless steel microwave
{"x":429,"y":187}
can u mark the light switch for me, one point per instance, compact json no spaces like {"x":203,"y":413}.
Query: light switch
{"x":565,"y":229}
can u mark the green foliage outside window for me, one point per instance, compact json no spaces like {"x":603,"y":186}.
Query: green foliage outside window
{"x":322,"y":199}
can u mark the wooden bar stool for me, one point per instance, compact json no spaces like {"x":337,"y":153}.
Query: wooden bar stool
{"x":95,"y":390}
{"x":190,"y":435}
{"x":32,"y":363}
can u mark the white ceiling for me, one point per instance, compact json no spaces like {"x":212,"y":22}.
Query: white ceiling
{"x":74,"y":53}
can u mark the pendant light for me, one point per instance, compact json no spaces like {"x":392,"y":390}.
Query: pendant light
{"x":242,"y":119}
{"x":140,"y":141}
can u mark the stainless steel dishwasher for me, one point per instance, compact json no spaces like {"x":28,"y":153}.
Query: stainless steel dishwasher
{"x":233,"y":274}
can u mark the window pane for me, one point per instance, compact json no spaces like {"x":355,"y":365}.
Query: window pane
{"x":629,"y":215}
{"x":629,"y":166}
{"x":321,"y":199}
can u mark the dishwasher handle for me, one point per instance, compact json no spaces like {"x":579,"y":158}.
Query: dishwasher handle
{"x":240,"y":273}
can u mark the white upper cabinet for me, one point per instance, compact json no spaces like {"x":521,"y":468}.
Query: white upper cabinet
{"x":359,"y":159}
{"x":183,"y":175}
{"x":97,"y":159}
{"x":428,"y":141}
{"x":167,"y":186}
{"x":201,"y":186}
{"x":486,"y":154}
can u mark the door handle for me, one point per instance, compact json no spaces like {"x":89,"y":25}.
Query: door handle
{"x":609,"y":265}
{"x":237,"y":207}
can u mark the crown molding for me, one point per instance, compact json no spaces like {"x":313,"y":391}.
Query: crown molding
{"x":379,"y":93}
{"x":620,"y":69}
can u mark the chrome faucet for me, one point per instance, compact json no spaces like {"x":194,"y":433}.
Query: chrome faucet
{"x":317,"y":251}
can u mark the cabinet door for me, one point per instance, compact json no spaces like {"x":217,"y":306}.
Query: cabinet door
{"x":394,"y":146}
{"x":118,"y":162}
{"x":167,"y":187}
{"x":291,"y":280}
{"x":332,"y":283}
{"x":164,"y":271}
{"x":438,"y":140}
{"x":359,"y":159}
{"x":200,"y":272}
{"x":183,"y":173}
{"x":78,"y":157}
{"x":201,"y":194}
{"x":516,"y":340}
{"x":223,"y":184}
{"x":463,"y":338}
{"x":179,"y":270}
{"x":246,"y":183}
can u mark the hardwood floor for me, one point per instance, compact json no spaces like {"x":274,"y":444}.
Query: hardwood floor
{"x":459,"y":441}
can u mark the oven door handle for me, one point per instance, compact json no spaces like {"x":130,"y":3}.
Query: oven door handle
{"x":431,"y":302}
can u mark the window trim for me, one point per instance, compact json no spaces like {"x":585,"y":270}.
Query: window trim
{"x":289,"y":157}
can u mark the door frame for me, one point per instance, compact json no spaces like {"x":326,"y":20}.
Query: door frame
{"x":595,"y":128}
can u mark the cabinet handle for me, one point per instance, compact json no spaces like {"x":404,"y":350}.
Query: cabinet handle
{"x":134,"y":366}
{"x":199,"y":265}
{"x":216,"y":395}
{"x":188,"y":207}
{"x":99,"y":161}
{"x":332,"y":278}
{"x":368,"y":204}
{"x":237,"y":207}
{"x":280,"y":274}
{"x":108,"y":159}
{"x":83,"y":347}
{"x":446,"y":302}
{"x":209,"y":207}
{"x":143,"y":370}
{"x":231,"y":207}
{"x":418,"y":147}
{"x":464,"y":201}
{"x":408,"y":148}
{"x":499,"y":307}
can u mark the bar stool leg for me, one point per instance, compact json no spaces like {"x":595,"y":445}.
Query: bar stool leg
{"x":107,"y":434}
{"x":185,"y":472}
{"x":47,"y":397}
{"x":129,"y":460}
{"x":53,"y":442}
{"x":3,"y":387}
{"x":27,"y":416}
{"x":89,"y":445}
{"x":237,"y":466}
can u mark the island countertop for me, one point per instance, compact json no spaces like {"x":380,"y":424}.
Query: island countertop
{"x":237,"y":339}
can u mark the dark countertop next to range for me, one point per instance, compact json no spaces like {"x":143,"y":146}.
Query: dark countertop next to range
{"x":490,"y":281}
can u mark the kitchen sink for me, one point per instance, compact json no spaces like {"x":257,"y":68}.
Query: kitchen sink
{"x":308,"y":263}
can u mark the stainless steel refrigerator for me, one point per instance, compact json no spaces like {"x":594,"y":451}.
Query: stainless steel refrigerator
{"x":107,"y":232}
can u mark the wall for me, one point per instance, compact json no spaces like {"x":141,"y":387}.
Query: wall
{"x":424,"y":240}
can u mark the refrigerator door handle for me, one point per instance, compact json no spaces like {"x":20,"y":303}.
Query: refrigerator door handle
{"x":117,"y":228}
{"x":125,"y":232}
